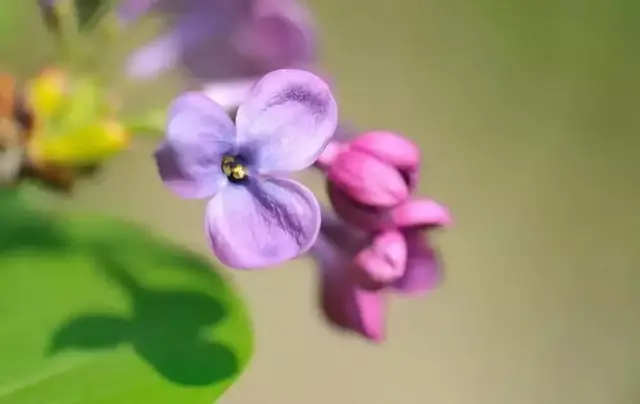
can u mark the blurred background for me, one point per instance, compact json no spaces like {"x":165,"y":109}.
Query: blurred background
{"x":527,"y":114}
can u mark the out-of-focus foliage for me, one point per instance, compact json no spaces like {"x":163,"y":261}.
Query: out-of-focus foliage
{"x":97,"y":310}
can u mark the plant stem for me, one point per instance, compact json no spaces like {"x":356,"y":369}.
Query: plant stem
{"x":68,"y":31}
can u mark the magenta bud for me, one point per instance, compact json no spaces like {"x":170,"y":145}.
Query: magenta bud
{"x":381,"y":262}
{"x":393,"y":149}
{"x":367,"y":179}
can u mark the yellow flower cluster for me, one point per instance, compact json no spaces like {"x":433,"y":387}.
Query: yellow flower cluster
{"x":73,"y":122}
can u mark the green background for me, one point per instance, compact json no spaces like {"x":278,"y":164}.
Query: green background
{"x":527,"y":115}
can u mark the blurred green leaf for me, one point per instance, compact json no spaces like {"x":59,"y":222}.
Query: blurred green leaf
{"x":96,"y":311}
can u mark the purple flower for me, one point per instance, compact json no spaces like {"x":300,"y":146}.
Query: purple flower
{"x":255,"y":218}
{"x":220,"y":41}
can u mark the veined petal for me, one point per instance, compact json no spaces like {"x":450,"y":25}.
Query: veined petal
{"x":263,"y":223}
{"x":286,"y":120}
{"x":199,"y":133}
{"x":422,"y":271}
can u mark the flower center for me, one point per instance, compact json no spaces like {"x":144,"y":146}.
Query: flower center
{"x":235,"y":171}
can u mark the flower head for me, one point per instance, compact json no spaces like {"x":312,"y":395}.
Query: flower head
{"x":73,"y":124}
{"x":377,"y":242}
{"x":370,"y":179}
{"x":220,"y":41}
{"x":255,"y":217}
{"x":376,"y":168}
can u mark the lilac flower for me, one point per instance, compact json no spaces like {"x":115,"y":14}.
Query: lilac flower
{"x":255,"y":218}
{"x":377,"y":242}
{"x":358,"y":269}
{"x":222,"y":42}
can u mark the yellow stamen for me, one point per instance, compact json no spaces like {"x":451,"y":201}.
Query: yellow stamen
{"x":234,"y":170}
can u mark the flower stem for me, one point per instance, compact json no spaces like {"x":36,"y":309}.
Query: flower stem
{"x":68,"y":31}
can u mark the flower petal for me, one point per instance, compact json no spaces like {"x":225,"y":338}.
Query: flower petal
{"x":422,"y":272}
{"x":166,"y":52}
{"x":286,"y":30}
{"x":338,"y":232}
{"x":393,"y":149}
{"x":130,"y":10}
{"x":420,"y":212}
{"x":155,"y":58}
{"x":274,"y":41}
{"x":199,"y":133}
{"x":229,"y":93}
{"x":331,"y":152}
{"x":366,"y":218}
{"x":262,"y":224}
{"x":383,"y":261}
{"x":345,"y":305}
{"x":390,"y":148}
{"x":368,"y":180}
{"x":287,"y":119}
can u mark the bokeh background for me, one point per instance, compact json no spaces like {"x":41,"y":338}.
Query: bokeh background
{"x":528,"y":115}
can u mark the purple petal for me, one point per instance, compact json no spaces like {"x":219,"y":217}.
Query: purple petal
{"x":199,"y":133}
{"x":287,"y":119}
{"x":153,"y":59}
{"x":368,"y":180}
{"x":422,"y":272}
{"x":230,"y":93}
{"x":262,"y":224}
{"x":130,"y":10}
{"x":274,"y":42}
{"x":166,"y":52}
{"x":383,"y":260}
{"x":345,"y":305}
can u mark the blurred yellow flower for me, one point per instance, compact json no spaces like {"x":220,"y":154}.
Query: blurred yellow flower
{"x":74,"y":122}
{"x":46,"y":93}
{"x":82,"y":146}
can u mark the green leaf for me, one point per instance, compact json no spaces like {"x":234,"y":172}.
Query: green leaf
{"x":101,"y":311}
